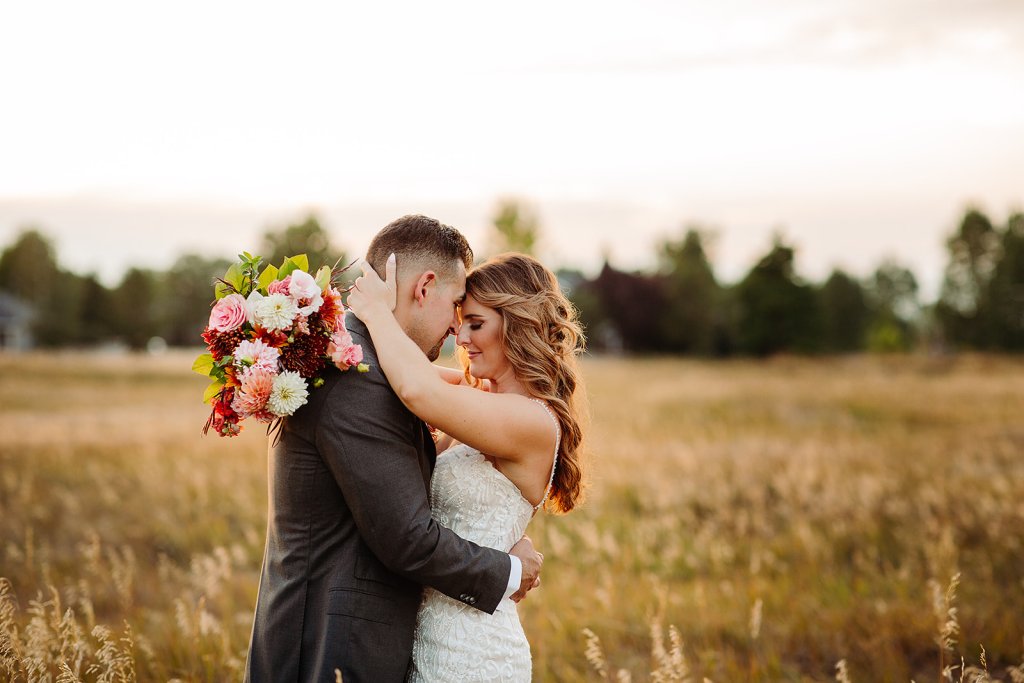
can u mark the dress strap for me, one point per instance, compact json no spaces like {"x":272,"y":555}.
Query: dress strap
{"x":554,"y":461}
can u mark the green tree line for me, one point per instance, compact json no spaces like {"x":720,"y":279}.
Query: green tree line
{"x":683,"y":308}
{"x":172,"y":305}
{"x":678,"y":307}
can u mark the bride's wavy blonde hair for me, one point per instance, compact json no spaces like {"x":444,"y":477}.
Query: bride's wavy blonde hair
{"x":542,"y":339}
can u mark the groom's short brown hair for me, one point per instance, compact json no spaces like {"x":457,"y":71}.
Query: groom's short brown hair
{"x":422,"y":241}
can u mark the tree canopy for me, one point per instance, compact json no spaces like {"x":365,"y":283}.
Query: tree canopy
{"x":679,"y":307}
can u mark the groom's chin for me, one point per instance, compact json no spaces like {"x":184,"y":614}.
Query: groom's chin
{"x":435,"y":353}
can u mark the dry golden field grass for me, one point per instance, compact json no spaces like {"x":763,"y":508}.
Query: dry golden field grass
{"x":746,"y":522}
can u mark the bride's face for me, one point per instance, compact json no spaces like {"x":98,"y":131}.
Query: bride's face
{"x":480,"y":335}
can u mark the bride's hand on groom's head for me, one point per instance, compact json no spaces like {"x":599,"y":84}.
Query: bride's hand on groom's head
{"x":370,"y":292}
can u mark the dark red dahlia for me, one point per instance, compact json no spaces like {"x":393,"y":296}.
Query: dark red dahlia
{"x":305,"y":355}
{"x":315,"y":324}
{"x":222,"y":343}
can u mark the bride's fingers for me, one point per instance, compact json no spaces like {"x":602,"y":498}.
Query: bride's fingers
{"x":368,"y":272}
{"x":364,"y":266}
{"x":370,"y":285}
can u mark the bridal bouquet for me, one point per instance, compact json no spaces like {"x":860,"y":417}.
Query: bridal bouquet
{"x":271,"y":333}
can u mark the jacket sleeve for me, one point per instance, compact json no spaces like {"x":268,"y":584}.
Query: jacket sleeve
{"x":366,"y":437}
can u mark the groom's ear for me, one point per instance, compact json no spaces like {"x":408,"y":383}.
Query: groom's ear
{"x":424,"y":284}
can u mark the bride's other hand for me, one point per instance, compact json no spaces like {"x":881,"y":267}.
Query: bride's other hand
{"x":532,"y":561}
{"x":370,"y":295}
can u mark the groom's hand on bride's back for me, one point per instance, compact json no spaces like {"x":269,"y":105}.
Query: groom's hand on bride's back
{"x":532,"y":561}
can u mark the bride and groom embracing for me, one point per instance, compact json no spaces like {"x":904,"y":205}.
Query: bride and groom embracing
{"x":384,"y":560}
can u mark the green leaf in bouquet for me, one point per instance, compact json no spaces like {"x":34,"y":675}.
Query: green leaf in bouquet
{"x":323,"y":277}
{"x":233,"y":281}
{"x":268,"y":275}
{"x":297,"y":262}
{"x":218,"y":369}
{"x":203,"y":364}
{"x":212,"y":390}
{"x":235,"y":275}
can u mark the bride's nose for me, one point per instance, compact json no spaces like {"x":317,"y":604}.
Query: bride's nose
{"x":460,"y":338}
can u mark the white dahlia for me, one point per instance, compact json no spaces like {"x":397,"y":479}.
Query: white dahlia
{"x":288,"y":395}
{"x":275,"y":312}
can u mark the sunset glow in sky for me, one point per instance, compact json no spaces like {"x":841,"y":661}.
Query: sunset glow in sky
{"x":132,"y":134}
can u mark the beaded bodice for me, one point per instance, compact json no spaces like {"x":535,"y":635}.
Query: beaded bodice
{"x":476,"y":501}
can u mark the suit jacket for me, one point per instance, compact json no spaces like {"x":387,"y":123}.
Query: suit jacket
{"x":350,"y":540}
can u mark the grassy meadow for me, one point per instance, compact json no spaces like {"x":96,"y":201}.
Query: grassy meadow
{"x":746,"y":522}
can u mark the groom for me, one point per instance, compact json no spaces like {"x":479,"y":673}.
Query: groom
{"x":350,"y":540}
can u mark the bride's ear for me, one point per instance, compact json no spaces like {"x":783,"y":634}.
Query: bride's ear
{"x":424,"y":286}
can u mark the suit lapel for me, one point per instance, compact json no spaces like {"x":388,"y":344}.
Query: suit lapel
{"x":429,"y":446}
{"x":428,"y":454}
{"x":426,"y":447}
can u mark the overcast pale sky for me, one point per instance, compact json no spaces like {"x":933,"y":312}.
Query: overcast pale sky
{"x":132,"y":133}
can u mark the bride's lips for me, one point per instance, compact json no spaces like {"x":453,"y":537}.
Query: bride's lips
{"x":473,"y":354}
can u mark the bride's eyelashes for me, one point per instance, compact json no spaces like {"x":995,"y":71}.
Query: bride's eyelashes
{"x":475,"y":326}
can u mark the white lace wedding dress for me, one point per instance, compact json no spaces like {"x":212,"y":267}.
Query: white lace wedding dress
{"x":453,"y":641}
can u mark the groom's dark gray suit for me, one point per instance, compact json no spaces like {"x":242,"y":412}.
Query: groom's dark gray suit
{"x":350,"y":540}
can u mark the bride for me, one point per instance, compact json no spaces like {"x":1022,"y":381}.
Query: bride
{"x":510,"y":424}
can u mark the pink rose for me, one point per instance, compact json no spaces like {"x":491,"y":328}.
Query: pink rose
{"x":228,"y":313}
{"x":280,"y":286}
{"x":344,"y":354}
